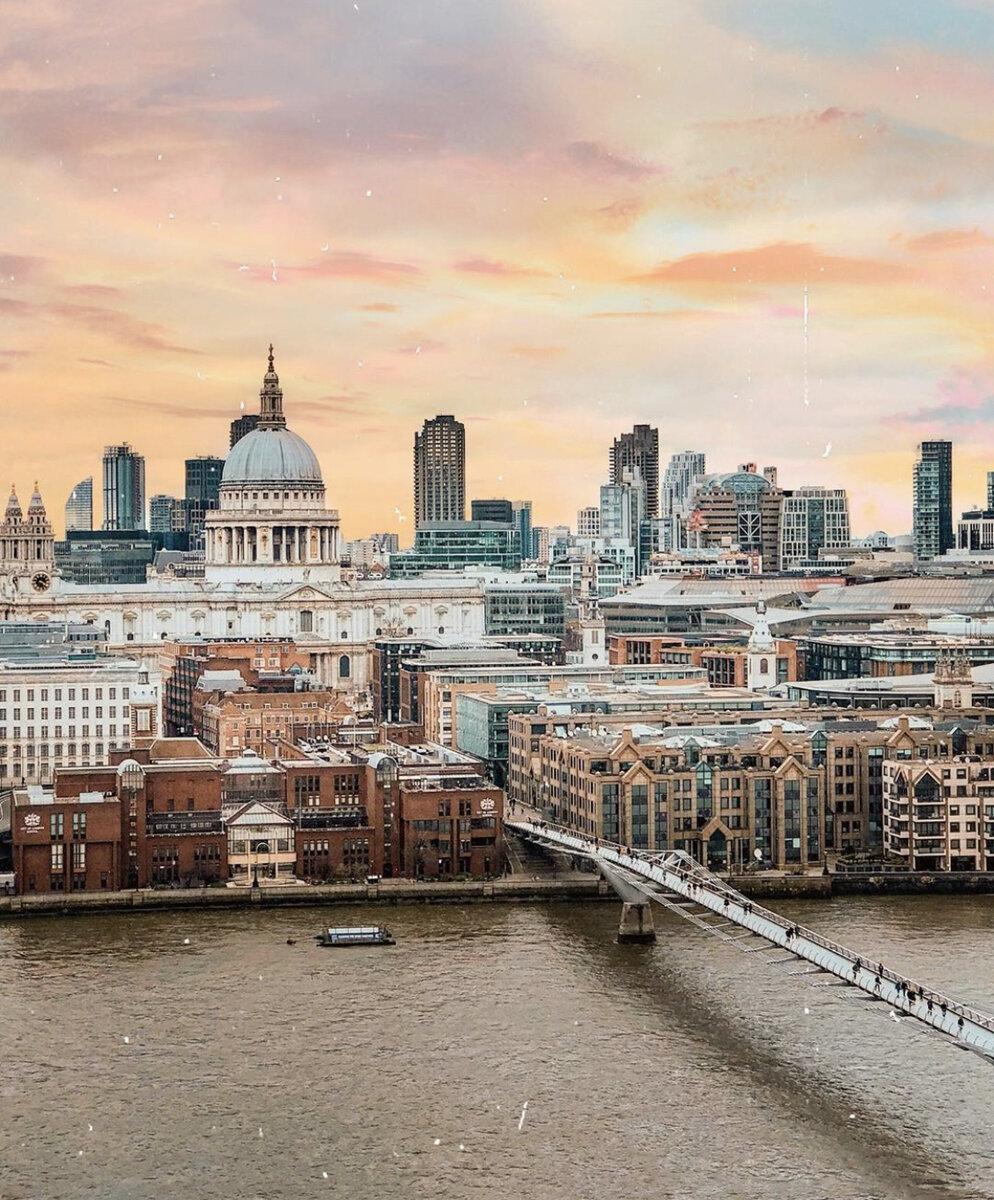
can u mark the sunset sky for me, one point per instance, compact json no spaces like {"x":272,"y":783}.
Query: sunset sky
{"x":765,"y":226}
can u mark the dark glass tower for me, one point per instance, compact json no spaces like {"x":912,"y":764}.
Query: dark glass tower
{"x":932,"y":511}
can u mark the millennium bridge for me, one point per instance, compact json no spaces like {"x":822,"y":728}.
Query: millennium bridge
{"x":678,"y":882}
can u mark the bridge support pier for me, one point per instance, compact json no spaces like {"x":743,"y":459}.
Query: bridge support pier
{"x":636,"y":924}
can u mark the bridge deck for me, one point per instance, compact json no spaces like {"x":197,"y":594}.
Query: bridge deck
{"x":678,"y":873}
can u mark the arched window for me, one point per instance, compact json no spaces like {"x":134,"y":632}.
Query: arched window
{"x":764,"y":666}
{"x":306,"y":621}
{"x":344,"y":667}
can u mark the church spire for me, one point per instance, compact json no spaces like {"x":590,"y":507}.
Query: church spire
{"x":271,"y":399}
{"x":37,"y":507}
{"x":13,"y":504}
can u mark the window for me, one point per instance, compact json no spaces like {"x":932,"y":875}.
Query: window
{"x":344,"y":667}
{"x":57,"y":857}
{"x":306,"y":621}
{"x":79,"y":826}
{"x":56,"y":825}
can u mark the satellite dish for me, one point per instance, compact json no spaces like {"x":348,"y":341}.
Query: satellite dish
{"x":757,"y":855}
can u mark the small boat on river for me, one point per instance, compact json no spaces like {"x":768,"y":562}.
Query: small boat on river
{"x":357,"y":935}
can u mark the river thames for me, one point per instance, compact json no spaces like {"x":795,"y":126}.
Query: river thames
{"x":509,"y":1051}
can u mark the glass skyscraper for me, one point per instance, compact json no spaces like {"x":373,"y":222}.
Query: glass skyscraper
{"x":932,"y":512}
{"x":79,"y":506}
{"x":124,"y":488}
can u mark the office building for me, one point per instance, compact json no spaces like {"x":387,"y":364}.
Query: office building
{"x":69,"y":708}
{"x":522,"y":515}
{"x":124,"y":489}
{"x":517,"y":609}
{"x":622,"y":517}
{"x":739,"y":509}
{"x":639,"y":450}
{"x":101,"y":557}
{"x":455,"y":545}
{"x":203,"y":482}
{"x":240,"y":426}
{"x":440,"y":471}
{"x":812,"y":519}
{"x":79,"y":506}
{"x":932,"y":499}
{"x":683,"y":472}
{"x":160,"y":513}
{"x":203,"y":479}
{"x":492,"y":510}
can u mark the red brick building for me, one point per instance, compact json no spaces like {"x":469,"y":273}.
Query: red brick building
{"x":64,"y":846}
{"x":173,"y":814}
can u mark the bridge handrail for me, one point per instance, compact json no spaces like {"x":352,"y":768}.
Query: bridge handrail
{"x":705,"y":878}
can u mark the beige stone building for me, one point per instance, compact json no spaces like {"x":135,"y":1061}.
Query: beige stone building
{"x":792,"y":793}
{"x":939,"y":815}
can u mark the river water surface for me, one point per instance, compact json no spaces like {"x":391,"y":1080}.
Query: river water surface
{"x":135,"y":1063}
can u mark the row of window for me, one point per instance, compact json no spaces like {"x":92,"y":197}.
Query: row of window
{"x":56,"y":693}
{"x":59,"y":731}
{"x":86,"y":714}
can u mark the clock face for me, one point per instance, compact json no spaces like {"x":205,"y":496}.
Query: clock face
{"x":40,"y":581}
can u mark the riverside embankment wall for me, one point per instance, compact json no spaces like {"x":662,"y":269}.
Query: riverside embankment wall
{"x":498,"y":891}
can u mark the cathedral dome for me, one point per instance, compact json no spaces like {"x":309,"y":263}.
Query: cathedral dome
{"x":271,"y":453}
{"x":267,"y":456}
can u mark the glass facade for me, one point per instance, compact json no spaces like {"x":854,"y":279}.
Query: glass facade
{"x":525,"y":609}
{"x":455,"y":545}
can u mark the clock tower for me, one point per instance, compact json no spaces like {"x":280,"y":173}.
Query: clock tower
{"x":27,"y":547}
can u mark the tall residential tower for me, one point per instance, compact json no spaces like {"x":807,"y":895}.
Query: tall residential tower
{"x":932,"y":500}
{"x":640,"y":449}
{"x":440,"y":471}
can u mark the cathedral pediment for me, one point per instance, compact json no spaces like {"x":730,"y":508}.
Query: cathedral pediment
{"x":308,"y":592}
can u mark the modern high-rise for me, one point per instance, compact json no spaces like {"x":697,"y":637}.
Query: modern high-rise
{"x":440,"y":471}
{"x":242,"y":425}
{"x":124,"y":488}
{"x":990,"y":491}
{"x":622,"y":516}
{"x":640,"y":449}
{"x":682,"y":475}
{"x":79,"y":506}
{"x":932,"y":500}
{"x":522,"y":513}
{"x":203,"y":478}
{"x":812,"y":519}
{"x":160,"y":514}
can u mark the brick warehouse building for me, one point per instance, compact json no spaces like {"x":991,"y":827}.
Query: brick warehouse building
{"x":174,"y":814}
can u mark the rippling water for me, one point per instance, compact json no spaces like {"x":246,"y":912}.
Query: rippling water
{"x":240,"y":1066}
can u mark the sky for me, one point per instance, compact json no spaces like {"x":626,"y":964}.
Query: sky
{"x":764,"y":227}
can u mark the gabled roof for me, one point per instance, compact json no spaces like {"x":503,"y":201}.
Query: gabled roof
{"x":255,"y":812}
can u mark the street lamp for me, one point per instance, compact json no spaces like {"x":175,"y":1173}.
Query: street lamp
{"x":258,"y":848}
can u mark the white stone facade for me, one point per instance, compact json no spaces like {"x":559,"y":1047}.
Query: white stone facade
{"x":272,"y":571}
{"x":57,"y":714}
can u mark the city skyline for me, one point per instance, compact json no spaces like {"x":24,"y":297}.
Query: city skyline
{"x":745,"y":228}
